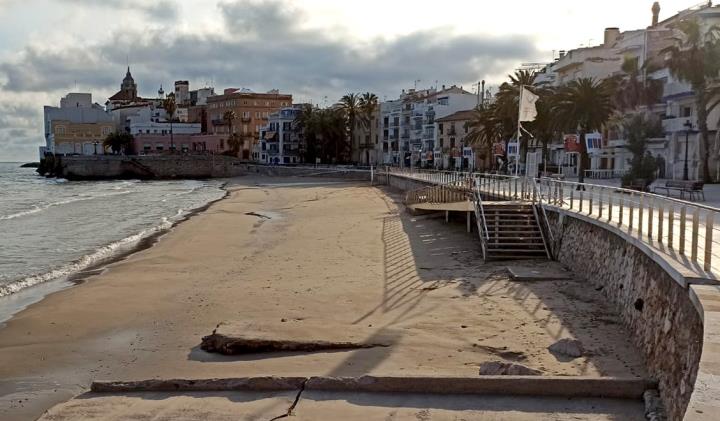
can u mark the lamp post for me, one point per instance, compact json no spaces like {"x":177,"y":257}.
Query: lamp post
{"x":688,"y":127}
{"x":95,"y":144}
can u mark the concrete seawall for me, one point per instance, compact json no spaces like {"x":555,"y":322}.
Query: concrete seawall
{"x":669,"y":318}
{"x":96,"y":167}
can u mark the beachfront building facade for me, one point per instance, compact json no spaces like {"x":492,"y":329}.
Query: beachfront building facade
{"x":453,"y":151}
{"x":675,"y":107}
{"x":280,"y":141}
{"x":76,"y":126}
{"x":408,"y":128}
{"x":252,"y":111}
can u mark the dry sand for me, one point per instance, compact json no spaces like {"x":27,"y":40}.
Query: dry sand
{"x":328,"y":251}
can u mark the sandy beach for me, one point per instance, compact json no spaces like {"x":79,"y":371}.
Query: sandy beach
{"x":301,"y":249}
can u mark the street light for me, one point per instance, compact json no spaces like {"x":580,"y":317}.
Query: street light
{"x":95,"y":144}
{"x":688,"y":127}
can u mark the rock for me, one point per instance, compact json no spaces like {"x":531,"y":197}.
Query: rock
{"x":499,"y":368}
{"x":567,"y":347}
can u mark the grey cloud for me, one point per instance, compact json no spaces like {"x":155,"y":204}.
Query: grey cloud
{"x":307,"y":62}
{"x":292,"y":58}
{"x":157,"y":9}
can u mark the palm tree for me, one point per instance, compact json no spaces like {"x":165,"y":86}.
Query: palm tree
{"x":118,"y":142}
{"x":633,"y":89}
{"x":368,"y":107}
{"x":585,"y":104}
{"x":350,"y":104}
{"x":484,"y":128}
{"x":170,"y":107}
{"x":696,"y":59}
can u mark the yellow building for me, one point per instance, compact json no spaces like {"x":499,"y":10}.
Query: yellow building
{"x":79,"y":138}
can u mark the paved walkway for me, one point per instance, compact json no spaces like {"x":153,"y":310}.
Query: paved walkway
{"x":351,"y":406}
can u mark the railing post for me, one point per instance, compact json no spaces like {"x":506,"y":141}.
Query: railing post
{"x":610,"y":205}
{"x":581,"y":200}
{"x":632,"y":210}
{"x":671,"y":225}
{"x":661,"y":217}
{"x":650,"y":218}
{"x":516,"y":188}
{"x":572,"y":196}
{"x":621,"y":202}
{"x":600,"y":204}
{"x":709,"y":222}
{"x":695,"y":229}
{"x":683,"y":219}
{"x":640,"y":215}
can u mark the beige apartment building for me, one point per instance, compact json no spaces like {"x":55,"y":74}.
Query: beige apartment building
{"x":80,"y":138}
{"x":251,"y":114}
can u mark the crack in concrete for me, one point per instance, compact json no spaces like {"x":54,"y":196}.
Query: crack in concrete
{"x":294,"y":404}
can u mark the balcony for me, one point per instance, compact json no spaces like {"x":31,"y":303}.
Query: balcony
{"x":677,"y":124}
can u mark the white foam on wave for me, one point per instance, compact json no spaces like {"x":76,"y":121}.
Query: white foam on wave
{"x":86,"y":261}
{"x":37,"y":209}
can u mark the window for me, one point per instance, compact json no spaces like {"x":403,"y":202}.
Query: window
{"x":246,"y":114}
{"x":685,"y":111}
{"x":60,"y":130}
{"x":159,"y":146}
{"x":452,"y":142}
{"x":257,"y":114}
{"x":105,"y":131}
{"x":245,"y":128}
{"x":440,"y":127}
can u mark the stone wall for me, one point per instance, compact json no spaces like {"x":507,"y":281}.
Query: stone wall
{"x":654,"y":307}
{"x":182,"y":166}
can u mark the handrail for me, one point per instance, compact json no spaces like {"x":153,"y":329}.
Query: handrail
{"x":681,"y":230}
{"x":545,"y":226}
{"x":478,"y":200}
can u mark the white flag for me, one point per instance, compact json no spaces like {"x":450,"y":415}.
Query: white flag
{"x":528,"y":112}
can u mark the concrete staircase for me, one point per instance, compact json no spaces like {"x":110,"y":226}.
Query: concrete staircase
{"x":513,"y":232}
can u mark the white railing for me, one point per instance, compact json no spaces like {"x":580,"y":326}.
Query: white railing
{"x":680,"y":230}
{"x":605,"y":174}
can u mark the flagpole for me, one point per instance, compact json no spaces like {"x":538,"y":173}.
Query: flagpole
{"x":517,"y":159}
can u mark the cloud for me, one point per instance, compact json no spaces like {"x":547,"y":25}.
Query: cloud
{"x":157,"y":9}
{"x":264,"y":46}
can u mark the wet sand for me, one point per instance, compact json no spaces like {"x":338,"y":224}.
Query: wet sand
{"x":303,"y":249}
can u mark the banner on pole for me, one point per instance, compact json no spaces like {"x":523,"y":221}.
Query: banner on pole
{"x":528,"y":110}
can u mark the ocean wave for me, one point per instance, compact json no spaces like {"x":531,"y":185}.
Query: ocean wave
{"x":103,"y":253}
{"x":37,"y":209}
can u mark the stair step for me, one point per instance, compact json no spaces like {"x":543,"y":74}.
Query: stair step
{"x":521,"y":251}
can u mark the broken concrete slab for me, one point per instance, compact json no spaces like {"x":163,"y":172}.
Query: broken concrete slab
{"x":270,"y":383}
{"x":283,"y":336}
{"x":322,"y":405}
{"x":566,"y":386}
{"x":546,"y":272}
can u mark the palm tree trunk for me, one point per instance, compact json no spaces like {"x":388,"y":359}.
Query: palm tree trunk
{"x":584,"y":159}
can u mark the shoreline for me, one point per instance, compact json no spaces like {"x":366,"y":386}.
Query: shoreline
{"x":15,"y":302}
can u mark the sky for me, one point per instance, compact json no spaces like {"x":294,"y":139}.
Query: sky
{"x":316,"y":50}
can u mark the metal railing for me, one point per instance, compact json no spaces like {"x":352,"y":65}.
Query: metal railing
{"x":683,"y":231}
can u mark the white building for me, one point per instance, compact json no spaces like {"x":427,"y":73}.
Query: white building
{"x":676,"y":108}
{"x":280,"y":141}
{"x":76,"y":108}
{"x":154,"y":121}
{"x":409,"y":132}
